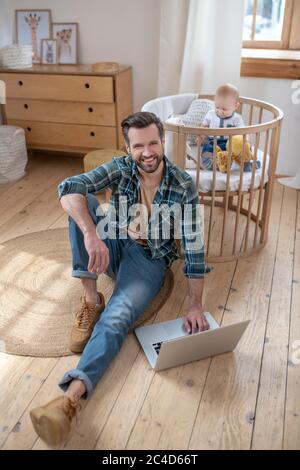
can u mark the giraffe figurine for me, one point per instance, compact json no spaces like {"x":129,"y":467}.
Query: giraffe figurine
{"x":33,"y":22}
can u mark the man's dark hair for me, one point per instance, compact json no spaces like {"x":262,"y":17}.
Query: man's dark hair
{"x":141,"y":120}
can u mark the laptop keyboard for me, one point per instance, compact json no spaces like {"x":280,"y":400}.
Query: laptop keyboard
{"x":157,"y":347}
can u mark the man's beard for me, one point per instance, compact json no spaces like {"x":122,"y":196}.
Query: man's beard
{"x":150,"y":168}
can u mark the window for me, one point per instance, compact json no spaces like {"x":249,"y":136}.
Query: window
{"x":269,"y":24}
{"x":271,"y":39}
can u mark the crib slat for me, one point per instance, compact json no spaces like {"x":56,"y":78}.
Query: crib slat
{"x":269,"y":187}
{"x":198,"y":155}
{"x":250,"y":116}
{"x":250,"y":202}
{"x":175,"y":146}
{"x":240,"y":198}
{"x":260,"y":115}
{"x":261,"y":187}
{"x":181,"y":156}
{"x":226,"y":195}
{"x":213,"y":195}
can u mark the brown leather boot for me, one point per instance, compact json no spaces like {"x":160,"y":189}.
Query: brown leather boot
{"x":85,"y":320}
{"x":52,"y":422}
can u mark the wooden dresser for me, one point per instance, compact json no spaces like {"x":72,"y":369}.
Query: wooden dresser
{"x":68,"y":108}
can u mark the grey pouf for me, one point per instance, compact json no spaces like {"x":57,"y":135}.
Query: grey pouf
{"x":13,"y":153}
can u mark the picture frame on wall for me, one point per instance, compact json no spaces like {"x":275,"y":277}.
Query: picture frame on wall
{"x":49,"y":51}
{"x":31,"y":27}
{"x":66,"y":35}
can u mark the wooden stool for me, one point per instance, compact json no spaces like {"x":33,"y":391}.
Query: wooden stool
{"x":97,"y":157}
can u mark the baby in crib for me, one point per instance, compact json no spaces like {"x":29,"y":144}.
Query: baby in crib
{"x":223,"y":115}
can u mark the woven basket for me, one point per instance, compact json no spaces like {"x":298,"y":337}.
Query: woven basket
{"x":105,"y":67}
{"x":16,"y":56}
{"x":13,"y":153}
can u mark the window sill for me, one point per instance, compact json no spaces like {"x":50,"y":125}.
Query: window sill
{"x":271,"y":63}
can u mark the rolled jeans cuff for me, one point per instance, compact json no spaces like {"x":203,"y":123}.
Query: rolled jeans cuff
{"x":84,"y":274}
{"x":77,"y":374}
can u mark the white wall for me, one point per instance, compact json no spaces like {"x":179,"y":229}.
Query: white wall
{"x":124,"y":31}
{"x":279,"y":92}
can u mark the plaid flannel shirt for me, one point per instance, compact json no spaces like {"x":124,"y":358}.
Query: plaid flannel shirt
{"x":177,"y":187}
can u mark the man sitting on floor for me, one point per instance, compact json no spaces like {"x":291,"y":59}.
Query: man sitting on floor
{"x":135,"y":251}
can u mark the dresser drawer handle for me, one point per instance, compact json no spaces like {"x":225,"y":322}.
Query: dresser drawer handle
{"x":91,"y":110}
{"x":87,"y":85}
{"x":29,"y":129}
{"x":20,"y":82}
{"x":92,"y":134}
{"x":26,"y":106}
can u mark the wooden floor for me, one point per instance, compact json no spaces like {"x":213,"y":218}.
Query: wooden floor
{"x":249,"y":399}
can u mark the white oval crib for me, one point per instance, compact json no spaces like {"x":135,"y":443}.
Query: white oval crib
{"x":237,"y":204}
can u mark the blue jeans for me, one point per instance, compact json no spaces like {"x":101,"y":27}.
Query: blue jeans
{"x":208,"y":150}
{"x":138,"y":278}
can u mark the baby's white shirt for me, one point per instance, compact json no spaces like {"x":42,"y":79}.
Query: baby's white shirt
{"x":213,"y":120}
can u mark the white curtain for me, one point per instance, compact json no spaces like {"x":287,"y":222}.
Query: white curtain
{"x":200,"y":45}
{"x":173,"y":25}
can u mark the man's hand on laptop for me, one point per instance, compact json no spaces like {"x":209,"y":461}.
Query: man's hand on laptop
{"x":195,"y":320}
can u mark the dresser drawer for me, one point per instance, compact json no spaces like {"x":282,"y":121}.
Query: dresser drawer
{"x":59,"y":87}
{"x":72,"y":135}
{"x":100,"y":114}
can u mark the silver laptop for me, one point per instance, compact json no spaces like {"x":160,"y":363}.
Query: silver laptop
{"x":167,"y":344}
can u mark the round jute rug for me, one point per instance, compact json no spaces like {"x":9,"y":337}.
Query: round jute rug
{"x":38,"y":296}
